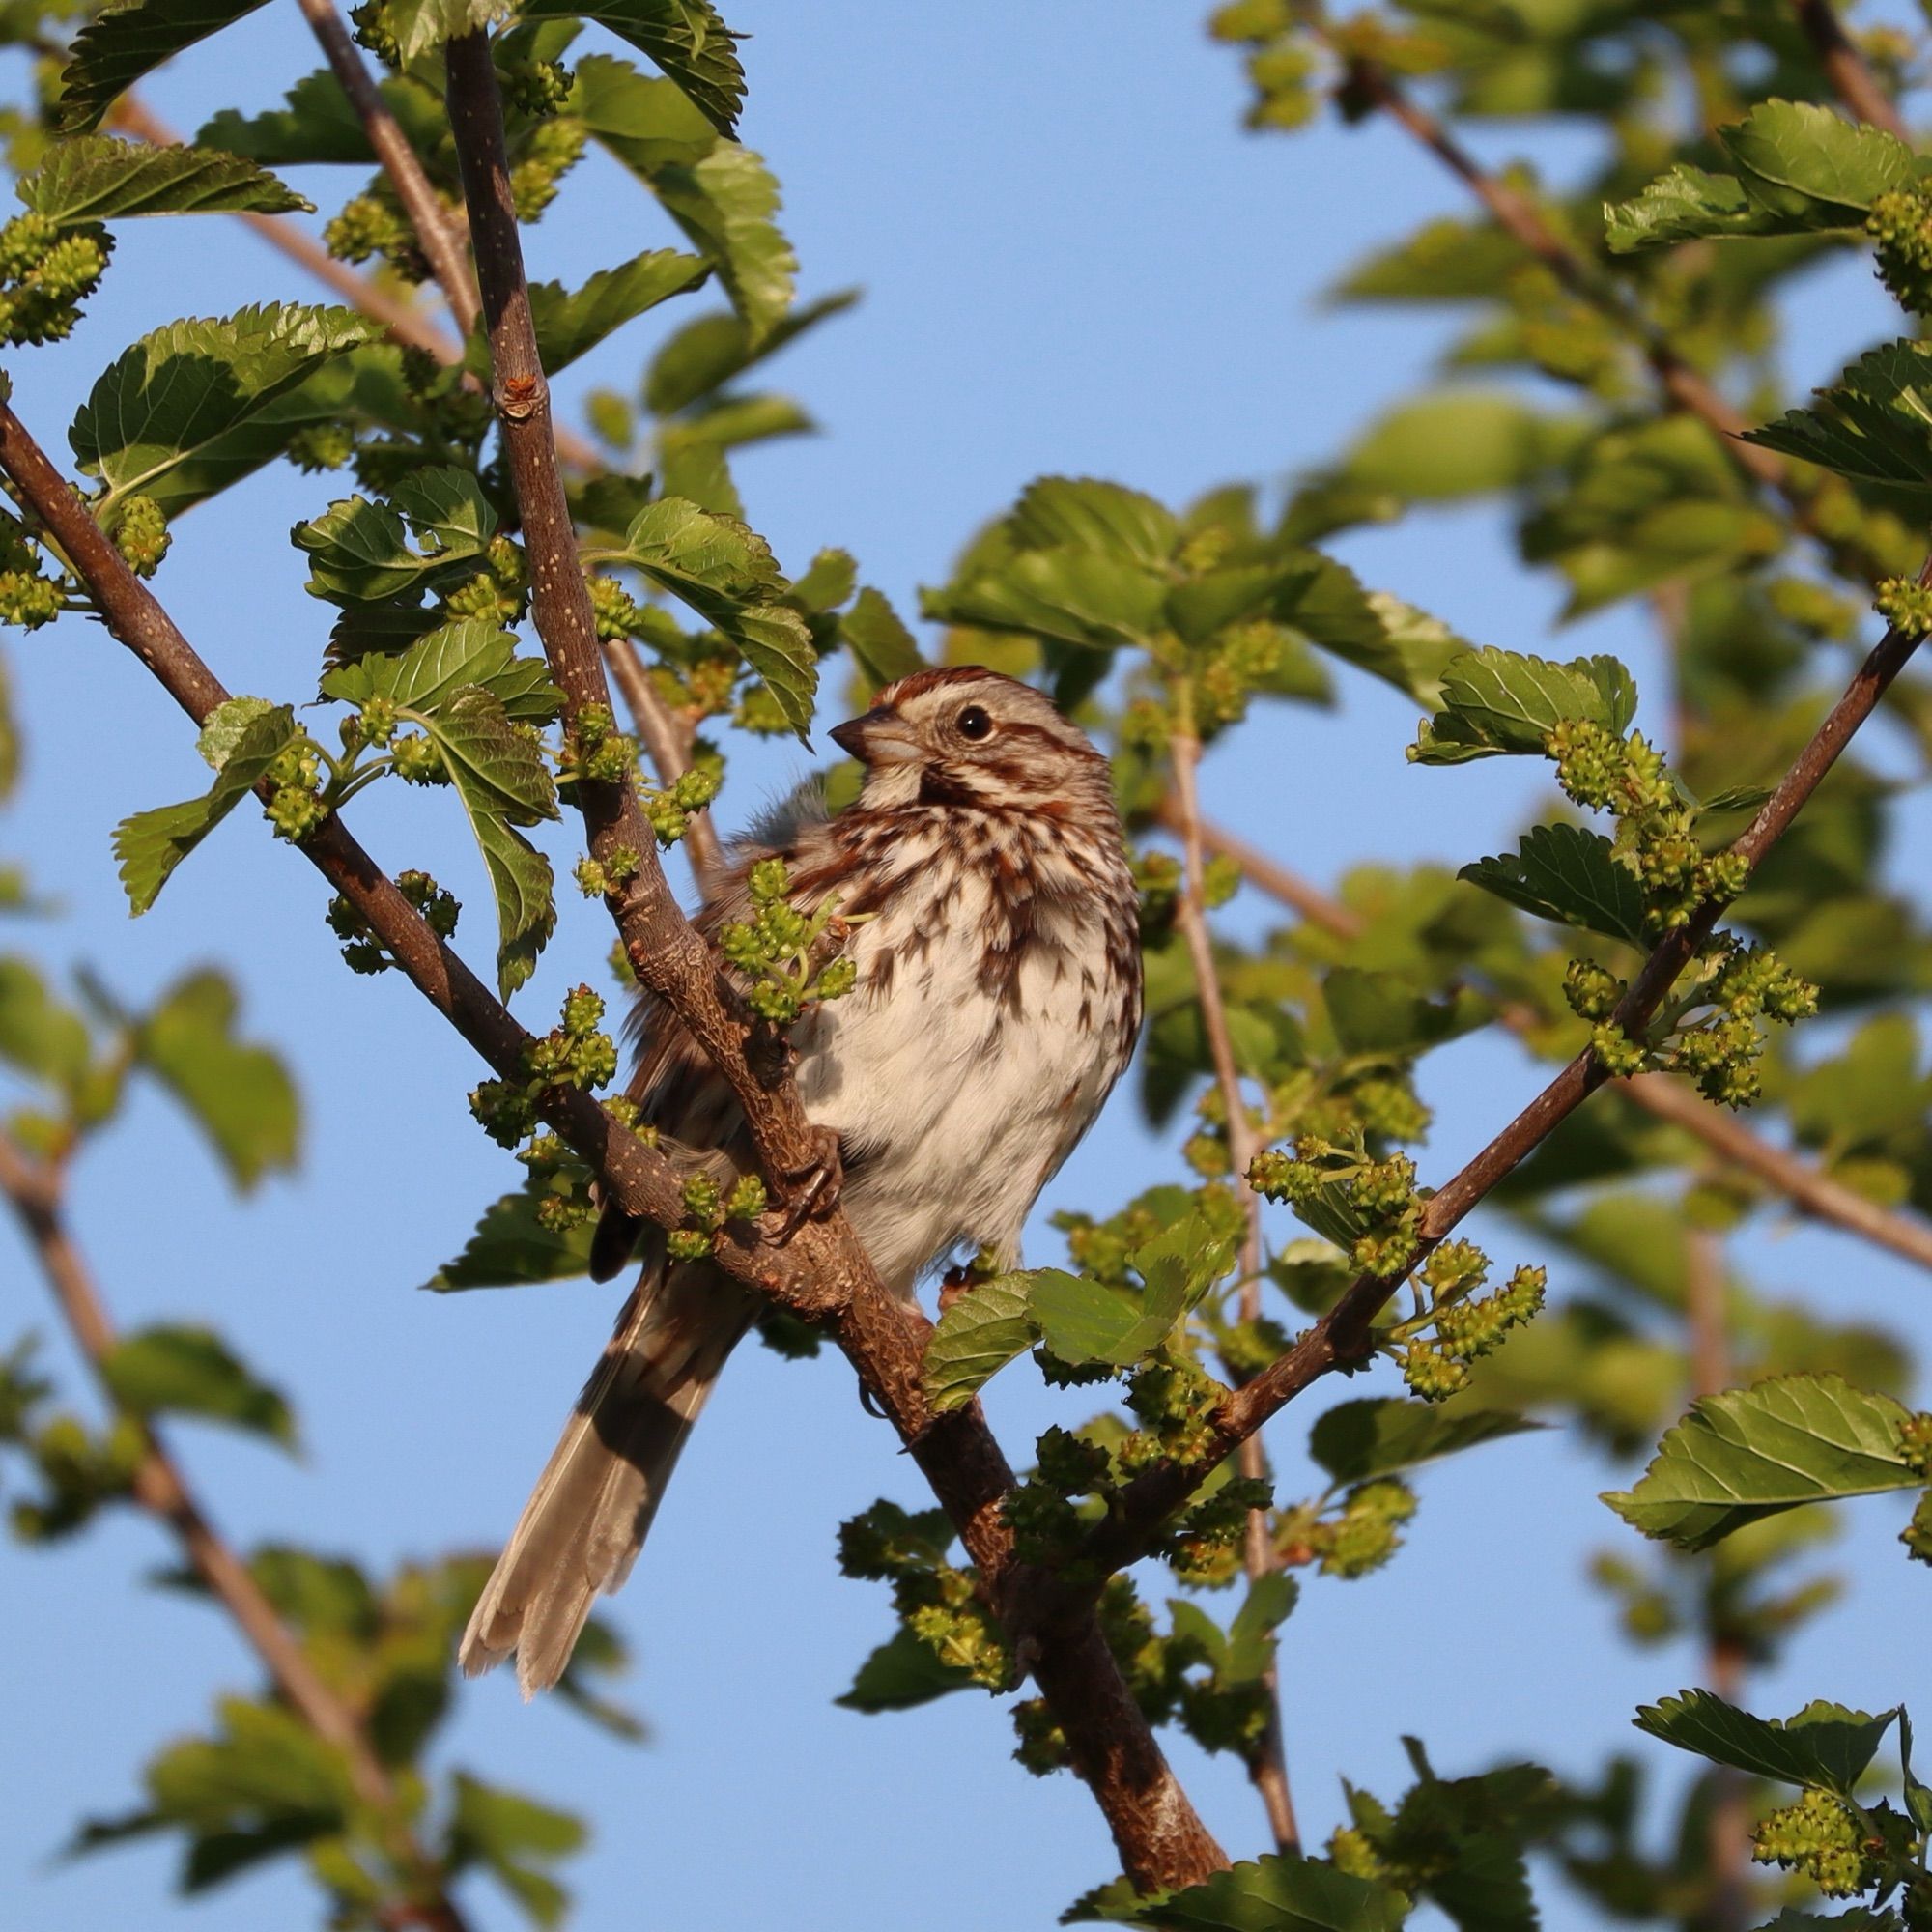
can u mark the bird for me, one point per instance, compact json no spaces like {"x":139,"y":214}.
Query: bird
{"x":993,"y":923}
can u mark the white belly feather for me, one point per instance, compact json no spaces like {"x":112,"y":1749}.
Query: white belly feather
{"x":954,"y":1105}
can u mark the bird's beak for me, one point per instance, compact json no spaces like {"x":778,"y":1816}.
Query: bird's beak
{"x":877,"y":737}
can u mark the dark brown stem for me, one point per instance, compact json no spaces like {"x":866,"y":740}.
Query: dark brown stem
{"x":1267,"y":1767}
{"x":1852,"y":80}
{"x":436,"y":233}
{"x":34,"y":1192}
{"x":1344,"y":1334}
{"x":1663,"y":1097}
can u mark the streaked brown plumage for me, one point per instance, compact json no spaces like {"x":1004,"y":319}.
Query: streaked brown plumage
{"x":998,"y":998}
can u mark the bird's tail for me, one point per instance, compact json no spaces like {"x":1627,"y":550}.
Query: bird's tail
{"x":586,"y":1521}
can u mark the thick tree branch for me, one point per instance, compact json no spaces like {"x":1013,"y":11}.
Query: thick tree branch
{"x":1852,"y":80}
{"x":1345,"y":1334}
{"x":1809,"y":1189}
{"x":436,"y":233}
{"x":1267,"y":1767}
{"x":35,"y":1191}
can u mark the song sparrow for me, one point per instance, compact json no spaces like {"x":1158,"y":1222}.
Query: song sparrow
{"x":998,"y":997}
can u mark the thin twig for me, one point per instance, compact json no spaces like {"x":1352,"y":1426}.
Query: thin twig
{"x":1267,"y":1767}
{"x":1344,"y":1336}
{"x":1807,"y":1187}
{"x":1852,"y":80}
{"x":1814,"y":1192}
{"x":436,"y":232}
{"x":668,"y":744}
{"x":35,"y":1190}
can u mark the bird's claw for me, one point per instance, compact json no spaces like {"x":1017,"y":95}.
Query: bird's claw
{"x":812,"y":1191}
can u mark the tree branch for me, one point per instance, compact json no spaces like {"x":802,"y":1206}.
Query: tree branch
{"x":435,"y":232}
{"x":1267,"y":1767}
{"x":1807,"y":1187}
{"x":1344,"y":1335}
{"x":35,"y":1190}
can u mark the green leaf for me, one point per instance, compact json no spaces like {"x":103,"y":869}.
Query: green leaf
{"x":178,"y":1370}
{"x":685,"y":37}
{"x":699,"y":359}
{"x":1499,"y":701}
{"x":495,"y":767}
{"x":38,"y":1036}
{"x":512,"y":1836}
{"x":902,"y":1673}
{"x":117,"y":46}
{"x":239,"y":1094}
{"x":1281,"y":1893}
{"x":151,"y":845}
{"x":721,"y":195}
{"x":1384,"y":1014}
{"x":1084,"y":513}
{"x":360,"y":551}
{"x":975,"y":1338}
{"x":512,"y":1248}
{"x":883,"y":649}
{"x":177,"y":392}
{"x":1460,"y":442}
{"x":318,"y":123}
{"x":1754,"y":1452}
{"x":1802,"y":168}
{"x":571,"y":323}
{"x":472,"y":651}
{"x":1874,"y":424}
{"x":91,"y":177}
{"x":421,"y":26}
{"x":1568,"y":874}
{"x":1090,"y":599}
{"x":1251,"y":1636}
{"x":1825,"y":1744}
{"x":1685,"y":205}
{"x":1083,"y":1320}
{"x":725,"y":572}
{"x":502,"y":780}
{"x":725,"y":204}
{"x":1378,"y":1434}
{"x":1820,"y":156}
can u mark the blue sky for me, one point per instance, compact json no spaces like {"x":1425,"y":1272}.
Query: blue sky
{"x":1074,"y":262}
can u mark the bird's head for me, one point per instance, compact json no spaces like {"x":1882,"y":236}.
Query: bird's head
{"x":968,"y":736}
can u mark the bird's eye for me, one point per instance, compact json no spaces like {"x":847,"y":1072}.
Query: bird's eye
{"x":973,"y":723}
